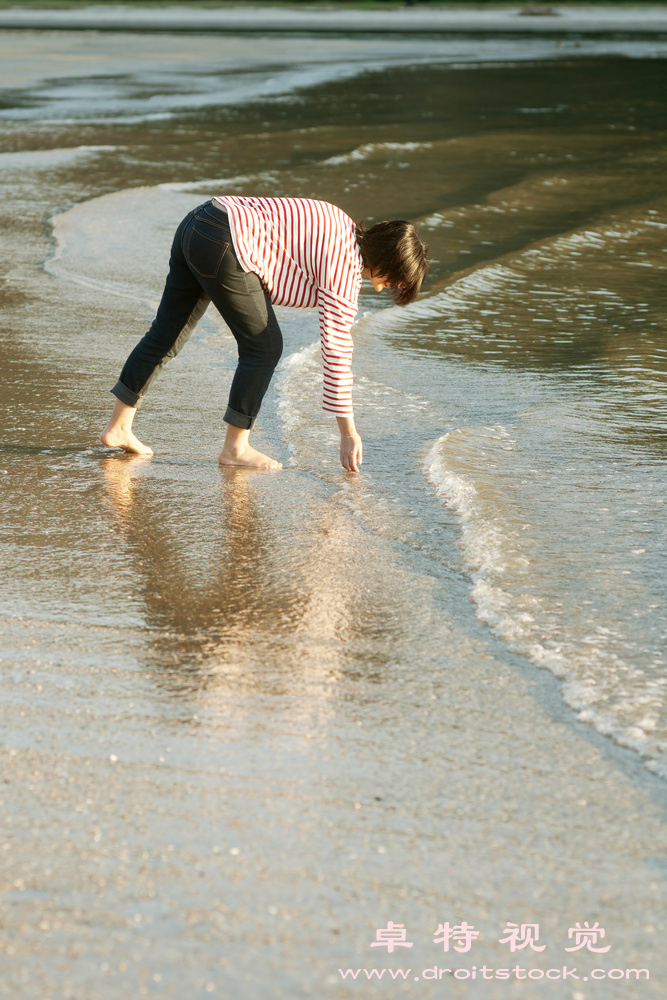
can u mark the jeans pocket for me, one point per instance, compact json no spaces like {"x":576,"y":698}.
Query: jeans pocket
{"x":203,"y":253}
{"x":243,"y":298}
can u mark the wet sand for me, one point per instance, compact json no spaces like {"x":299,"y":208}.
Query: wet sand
{"x":526,"y":19}
{"x":249,"y":718}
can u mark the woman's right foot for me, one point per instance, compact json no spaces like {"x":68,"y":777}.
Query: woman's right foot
{"x":249,"y":458}
{"x":117,"y":437}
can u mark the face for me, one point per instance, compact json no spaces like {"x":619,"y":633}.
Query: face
{"x":378,"y":282}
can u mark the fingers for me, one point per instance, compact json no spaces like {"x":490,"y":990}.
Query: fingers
{"x":351,"y":460}
{"x":351,"y":454}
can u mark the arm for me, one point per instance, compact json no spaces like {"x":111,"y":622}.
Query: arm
{"x":336,"y":318}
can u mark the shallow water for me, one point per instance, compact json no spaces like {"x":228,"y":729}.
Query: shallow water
{"x":543,"y":365}
{"x":295,"y":650}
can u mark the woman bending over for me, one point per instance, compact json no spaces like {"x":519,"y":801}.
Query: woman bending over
{"x":247,"y":255}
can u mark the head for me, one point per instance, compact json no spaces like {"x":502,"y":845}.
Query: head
{"x":394,"y":251}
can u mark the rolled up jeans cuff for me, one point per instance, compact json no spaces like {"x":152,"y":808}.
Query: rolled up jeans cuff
{"x":237,"y":419}
{"x":121,"y":391}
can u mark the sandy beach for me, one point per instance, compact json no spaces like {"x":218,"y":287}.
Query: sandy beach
{"x":249,"y":719}
{"x":425,"y":19}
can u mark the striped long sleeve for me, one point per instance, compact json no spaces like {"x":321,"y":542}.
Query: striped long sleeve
{"x":307,"y":256}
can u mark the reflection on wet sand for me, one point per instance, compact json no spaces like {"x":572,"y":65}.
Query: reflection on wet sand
{"x":224,"y":595}
{"x":193,"y":585}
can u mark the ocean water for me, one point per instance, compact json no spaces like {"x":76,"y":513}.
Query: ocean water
{"x":524,"y":392}
{"x":509,"y":515}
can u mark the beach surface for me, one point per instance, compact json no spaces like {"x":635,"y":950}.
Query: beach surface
{"x":530,"y":19}
{"x":250,"y":718}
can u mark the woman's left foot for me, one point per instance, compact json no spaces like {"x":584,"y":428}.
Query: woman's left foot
{"x":119,"y":438}
{"x":249,"y":458}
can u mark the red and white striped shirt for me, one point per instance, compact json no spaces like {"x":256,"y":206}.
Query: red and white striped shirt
{"x":306,"y":254}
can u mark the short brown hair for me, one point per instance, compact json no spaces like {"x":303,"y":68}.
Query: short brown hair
{"x":393,"y":250}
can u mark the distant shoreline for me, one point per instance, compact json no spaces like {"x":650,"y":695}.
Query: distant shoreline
{"x":528,"y":19}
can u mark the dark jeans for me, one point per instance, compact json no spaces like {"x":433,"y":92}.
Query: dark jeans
{"x":204,"y":268}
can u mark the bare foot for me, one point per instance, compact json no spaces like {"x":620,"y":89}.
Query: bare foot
{"x":125,"y":439}
{"x":247,"y":457}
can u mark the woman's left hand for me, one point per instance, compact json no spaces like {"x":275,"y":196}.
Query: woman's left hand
{"x":351,"y":447}
{"x":351,"y":452}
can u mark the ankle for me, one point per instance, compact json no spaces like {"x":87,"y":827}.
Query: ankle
{"x":236,"y":441}
{"x":234,"y":448}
